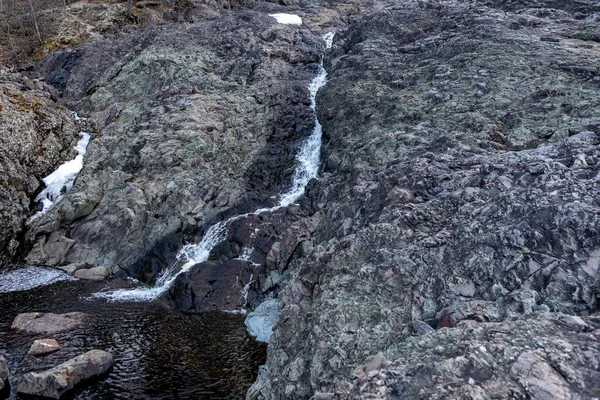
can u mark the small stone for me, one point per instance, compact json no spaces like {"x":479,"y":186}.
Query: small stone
{"x":69,"y":269}
{"x":372,"y":363}
{"x":322,"y":396}
{"x":573,"y":322}
{"x":421,"y":328}
{"x":42,"y":347}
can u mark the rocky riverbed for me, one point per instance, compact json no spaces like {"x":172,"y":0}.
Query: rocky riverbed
{"x":450,"y":247}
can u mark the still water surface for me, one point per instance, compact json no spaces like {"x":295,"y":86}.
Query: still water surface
{"x":159,"y":353}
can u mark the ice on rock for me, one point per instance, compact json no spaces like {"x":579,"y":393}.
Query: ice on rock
{"x":261,"y":321}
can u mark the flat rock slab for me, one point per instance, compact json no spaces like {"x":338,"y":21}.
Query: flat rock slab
{"x":3,"y":372}
{"x":42,"y":347}
{"x":93,"y":274}
{"x":54,"y":382}
{"x":48,"y":323}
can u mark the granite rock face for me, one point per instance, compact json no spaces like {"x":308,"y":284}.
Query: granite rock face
{"x":458,"y":195}
{"x":193,"y":120}
{"x":37,"y":136}
{"x":54,"y":382}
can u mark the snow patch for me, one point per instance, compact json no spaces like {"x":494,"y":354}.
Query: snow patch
{"x":287,"y":19}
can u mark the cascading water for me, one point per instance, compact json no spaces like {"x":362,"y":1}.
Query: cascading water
{"x":61,"y":180}
{"x":192,"y":254}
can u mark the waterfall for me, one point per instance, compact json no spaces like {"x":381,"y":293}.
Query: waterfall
{"x":61,"y":180}
{"x":191,"y":254}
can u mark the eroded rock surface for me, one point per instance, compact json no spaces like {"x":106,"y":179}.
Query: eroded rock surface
{"x":193,"y":120}
{"x":48,"y":323}
{"x":541,"y":356}
{"x":458,"y":190}
{"x":37,"y":135}
{"x":54,"y":382}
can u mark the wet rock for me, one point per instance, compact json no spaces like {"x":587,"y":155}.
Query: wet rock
{"x":42,"y":347}
{"x":211,"y":286}
{"x":54,"y":382}
{"x":3,"y":372}
{"x":36,"y":322}
{"x":94,"y":274}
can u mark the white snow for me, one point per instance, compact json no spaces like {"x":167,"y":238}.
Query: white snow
{"x":287,"y":19}
{"x":61,"y":181}
{"x":31,"y":277}
{"x":261,"y":321}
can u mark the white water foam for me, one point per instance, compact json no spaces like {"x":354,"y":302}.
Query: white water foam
{"x":287,"y":19}
{"x":30,"y":278}
{"x":61,"y":181}
{"x":192,"y":254}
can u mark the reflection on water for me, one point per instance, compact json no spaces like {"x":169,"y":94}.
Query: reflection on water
{"x":159,"y":353}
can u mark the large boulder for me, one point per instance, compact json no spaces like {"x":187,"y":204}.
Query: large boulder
{"x":210,"y":286}
{"x":49,"y":323}
{"x":55,"y":382}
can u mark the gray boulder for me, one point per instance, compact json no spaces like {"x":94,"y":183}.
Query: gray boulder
{"x":93,"y":274}
{"x":36,"y":322}
{"x":54,"y":382}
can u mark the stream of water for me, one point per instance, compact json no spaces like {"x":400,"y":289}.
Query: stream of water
{"x":307,"y":168}
{"x":159,"y":354}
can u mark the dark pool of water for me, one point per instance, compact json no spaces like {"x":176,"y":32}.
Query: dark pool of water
{"x":159,"y":353}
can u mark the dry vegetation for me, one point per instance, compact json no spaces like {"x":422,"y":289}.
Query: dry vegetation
{"x":30,"y":29}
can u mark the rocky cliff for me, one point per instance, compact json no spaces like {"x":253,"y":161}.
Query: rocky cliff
{"x":193,"y":120}
{"x":37,"y":135}
{"x":451,"y":245}
{"x":459,"y":219}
